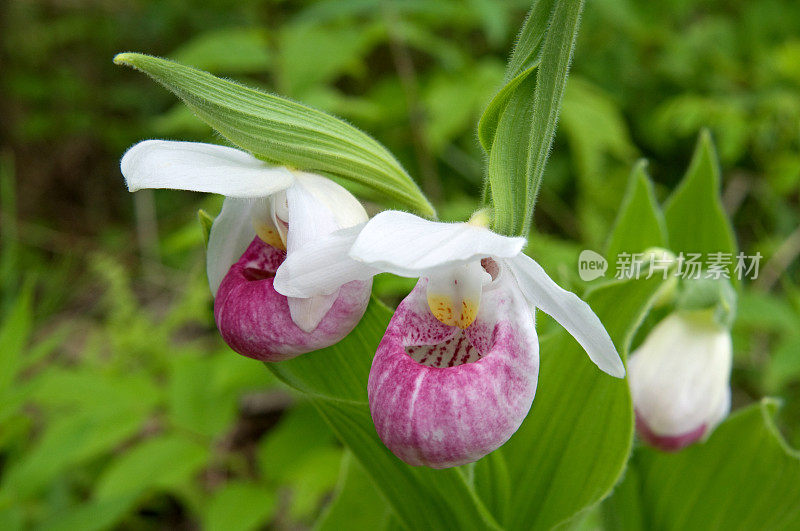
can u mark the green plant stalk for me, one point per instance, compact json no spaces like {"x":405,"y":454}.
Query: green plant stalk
{"x":526,"y":126}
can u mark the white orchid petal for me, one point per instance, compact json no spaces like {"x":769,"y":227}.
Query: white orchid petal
{"x":410,"y":246}
{"x":307,"y":313}
{"x":570,"y":311}
{"x":201,"y":168}
{"x":320,"y":267}
{"x":230,"y":236}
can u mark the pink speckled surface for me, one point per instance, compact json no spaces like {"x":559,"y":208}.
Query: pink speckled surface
{"x":254,"y":319}
{"x":452,"y":415}
{"x":668,"y":443}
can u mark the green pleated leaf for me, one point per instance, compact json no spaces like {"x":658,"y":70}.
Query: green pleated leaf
{"x":518,"y":127}
{"x":744,"y":477}
{"x":335,"y":380}
{"x":640,"y":222}
{"x":284,"y":132}
{"x":696,"y":220}
{"x":573,"y":446}
{"x":356,"y":505}
{"x":492,"y":482}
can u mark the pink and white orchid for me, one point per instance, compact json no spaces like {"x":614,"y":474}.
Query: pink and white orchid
{"x":456,"y":372}
{"x":269,"y":213}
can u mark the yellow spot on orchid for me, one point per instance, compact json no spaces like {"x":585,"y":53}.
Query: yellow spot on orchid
{"x":444,"y":310}
{"x":269,"y":235}
{"x":469,"y":311}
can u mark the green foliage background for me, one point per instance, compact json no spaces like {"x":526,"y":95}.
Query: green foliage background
{"x":119,"y":404}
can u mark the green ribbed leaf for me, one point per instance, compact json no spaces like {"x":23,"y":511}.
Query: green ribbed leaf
{"x":744,"y":477}
{"x":696,"y":220}
{"x":284,"y":132}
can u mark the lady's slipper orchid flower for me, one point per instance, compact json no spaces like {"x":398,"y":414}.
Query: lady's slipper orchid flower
{"x":680,"y":380}
{"x":456,"y":371}
{"x":269,"y":213}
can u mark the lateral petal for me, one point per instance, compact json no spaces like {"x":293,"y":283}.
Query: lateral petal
{"x":570,"y":311}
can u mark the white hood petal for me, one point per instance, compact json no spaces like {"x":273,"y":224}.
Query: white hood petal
{"x":410,"y":246}
{"x":230,"y":235}
{"x":201,"y":168}
{"x":570,"y":311}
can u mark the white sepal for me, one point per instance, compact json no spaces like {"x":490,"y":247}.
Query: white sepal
{"x":201,"y":168}
{"x":410,"y":246}
{"x":230,"y":236}
{"x":570,"y":311}
{"x":320,"y":267}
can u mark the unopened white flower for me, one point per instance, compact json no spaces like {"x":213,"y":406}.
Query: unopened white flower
{"x":680,"y":380}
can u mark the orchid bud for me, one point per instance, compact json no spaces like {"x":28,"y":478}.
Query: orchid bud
{"x":679,"y":380}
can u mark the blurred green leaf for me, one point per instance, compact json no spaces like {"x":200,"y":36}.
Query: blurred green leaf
{"x":197,"y":400}
{"x":640,"y":222}
{"x":301,"y":65}
{"x":162,"y":462}
{"x":67,"y":441}
{"x":300,"y":433}
{"x":743,"y":477}
{"x":282,"y":131}
{"x":90,"y":515}
{"x":696,"y":220}
{"x":227,"y":50}
{"x":783,"y":366}
{"x":334,"y":379}
{"x":765,"y":311}
{"x":596,"y":130}
{"x":14,"y":333}
{"x":573,"y":446}
{"x":239,"y":506}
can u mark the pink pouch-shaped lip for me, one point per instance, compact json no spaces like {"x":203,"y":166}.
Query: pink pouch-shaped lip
{"x":255,"y":321}
{"x":443,"y":397}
